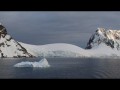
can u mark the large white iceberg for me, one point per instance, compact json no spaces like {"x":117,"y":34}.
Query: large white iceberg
{"x":42,"y":64}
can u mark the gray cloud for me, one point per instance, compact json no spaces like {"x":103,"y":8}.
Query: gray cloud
{"x":53,"y":27}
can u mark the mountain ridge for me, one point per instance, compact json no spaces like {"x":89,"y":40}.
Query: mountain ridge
{"x":103,"y":43}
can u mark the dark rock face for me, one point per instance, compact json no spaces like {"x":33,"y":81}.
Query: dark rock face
{"x":8,"y":44}
{"x":3,"y":31}
{"x":109,"y":37}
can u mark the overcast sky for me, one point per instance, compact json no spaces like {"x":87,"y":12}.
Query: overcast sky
{"x":57,"y":27}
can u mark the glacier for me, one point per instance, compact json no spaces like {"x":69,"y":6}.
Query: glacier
{"x":69,"y":50}
{"x":56,"y":50}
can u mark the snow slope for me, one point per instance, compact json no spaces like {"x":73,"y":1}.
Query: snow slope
{"x":56,"y":50}
{"x":68,"y":50}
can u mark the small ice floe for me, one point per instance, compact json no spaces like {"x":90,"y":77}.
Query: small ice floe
{"x":42,"y":64}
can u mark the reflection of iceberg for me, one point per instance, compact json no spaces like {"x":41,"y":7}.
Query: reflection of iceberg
{"x":42,"y":63}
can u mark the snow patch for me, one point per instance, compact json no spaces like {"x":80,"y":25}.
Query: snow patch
{"x":7,"y":37}
{"x":42,"y":64}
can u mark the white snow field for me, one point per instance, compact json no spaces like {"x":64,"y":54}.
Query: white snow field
{"x":56,"y":50}
{"x":68,"y":50}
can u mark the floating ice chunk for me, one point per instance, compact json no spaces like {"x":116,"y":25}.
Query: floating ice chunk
{"x":42,"y":63}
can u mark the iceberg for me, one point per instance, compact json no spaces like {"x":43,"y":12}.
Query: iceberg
{"x":41,"y":64}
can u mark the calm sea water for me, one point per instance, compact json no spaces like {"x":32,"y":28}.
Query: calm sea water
{"x":62,"y":68}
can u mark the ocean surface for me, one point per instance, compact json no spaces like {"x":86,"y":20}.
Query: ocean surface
{"x":62,"y":68}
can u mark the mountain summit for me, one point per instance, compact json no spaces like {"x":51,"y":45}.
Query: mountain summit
{"x":110,"y":38}
{"x":9,"y":47}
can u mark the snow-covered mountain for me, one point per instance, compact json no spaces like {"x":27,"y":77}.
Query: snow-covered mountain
{"x":110,"y":38}
{"x":103,"y":43}
{"x":9,"y":47}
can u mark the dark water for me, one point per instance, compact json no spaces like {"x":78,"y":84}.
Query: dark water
{"x":62,"y":68}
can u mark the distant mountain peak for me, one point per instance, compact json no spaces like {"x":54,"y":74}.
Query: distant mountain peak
{"x":109,"y":37}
